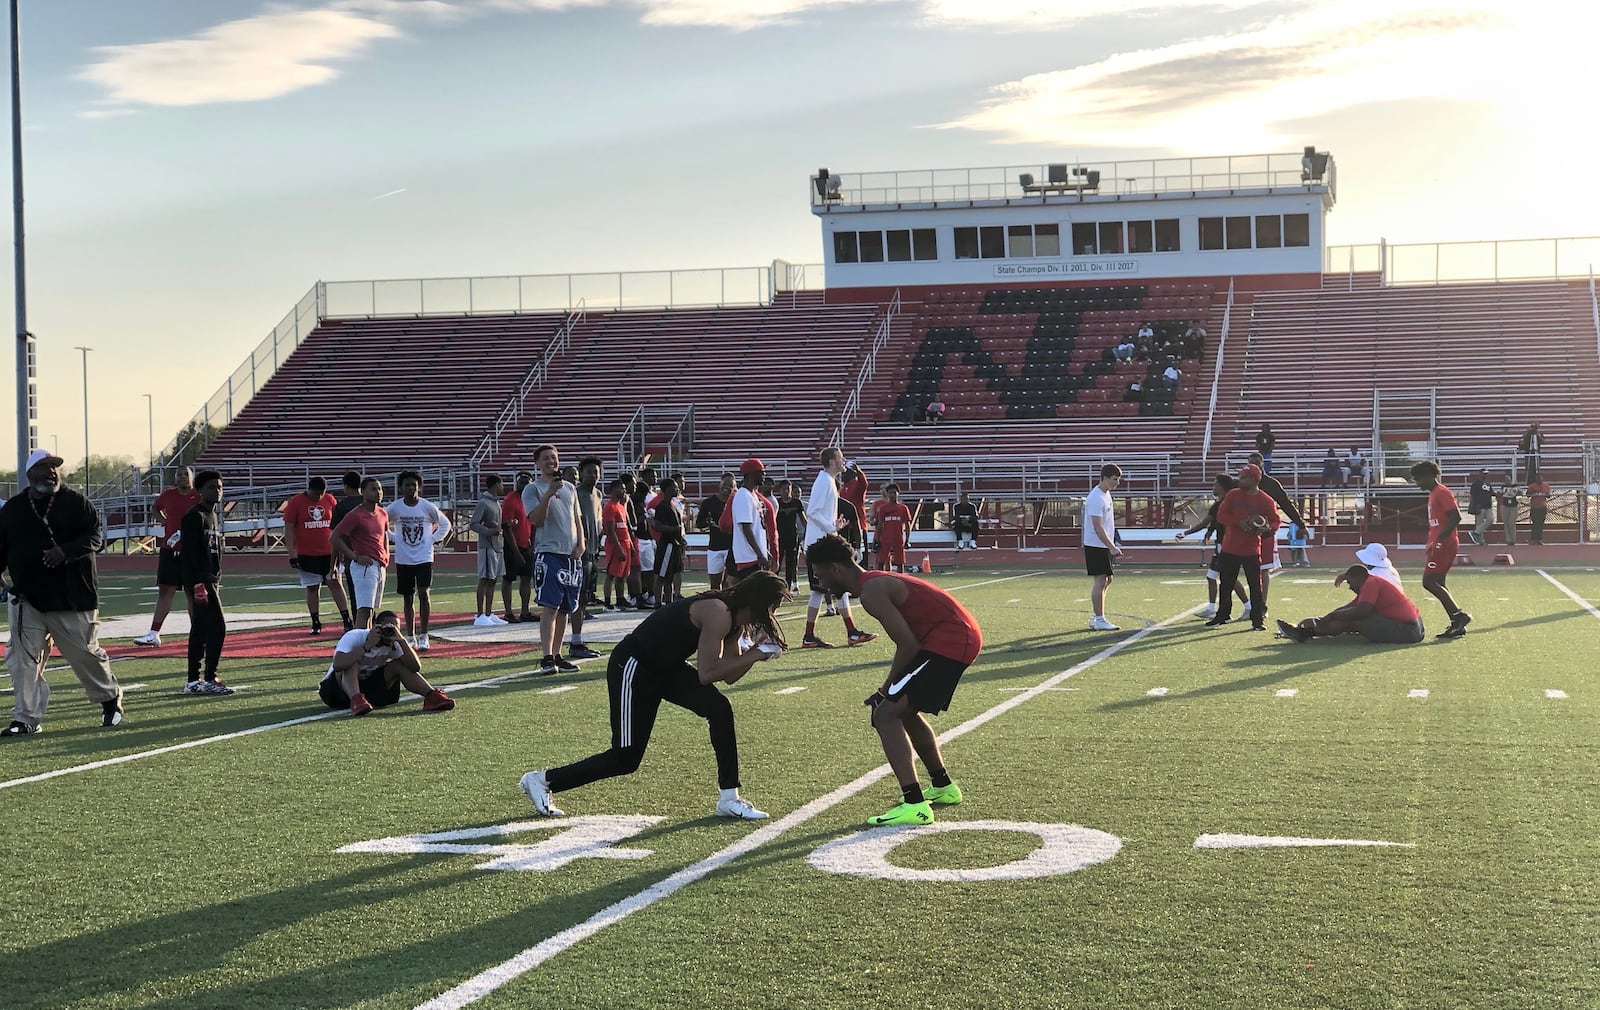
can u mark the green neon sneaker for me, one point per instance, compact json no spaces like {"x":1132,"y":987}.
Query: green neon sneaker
{"x":905,"y":813}
{"x":943,"y":796}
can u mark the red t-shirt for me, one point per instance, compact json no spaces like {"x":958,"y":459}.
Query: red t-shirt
{"x":172,"y":505}
{"x":368,"y":532}
{"x":942,"y":625}
{"x":514,"y":520}
{"x":1538,"y":495}
{"x":854,"y":491}
{"x":892,"y":520}
{"x":1237,"y":506}
{"x":1387,"y":600}
{"x":619,"y":538}
{"x":1441,"y":502}
{"x":770,"y":521}
{"x":312,"y":522}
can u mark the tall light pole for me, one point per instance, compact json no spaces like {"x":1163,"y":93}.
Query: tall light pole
{"x":85,"y":351}
{"x":27,"y":408}
{"x":150,"y":413}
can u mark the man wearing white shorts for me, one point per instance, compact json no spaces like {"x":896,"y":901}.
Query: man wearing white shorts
{"x":362,"y":537}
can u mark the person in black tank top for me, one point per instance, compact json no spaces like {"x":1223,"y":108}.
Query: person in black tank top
{"x":726,"y":634}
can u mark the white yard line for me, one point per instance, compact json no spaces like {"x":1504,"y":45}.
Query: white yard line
{"x":488,"y":981}
{"x":1288,"y":692}
{"x":1574,"y":597}
{"x":790,"y":690}
{"x":992,"y":582}
{"x":1554,"y":695}
{"x":253,"y":730}
{"x":1417,"y":692}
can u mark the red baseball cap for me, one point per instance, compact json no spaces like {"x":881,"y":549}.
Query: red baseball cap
{"x":1250,"y":470}
{"x":752,"y":466}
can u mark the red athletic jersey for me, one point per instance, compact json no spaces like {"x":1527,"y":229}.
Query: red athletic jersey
{"x":1441,"y":502}
{"x":1387,"y":600}
{"x":619,"y":537}
{"x":312,"y":522}
{"x":854,"y":491}
{"x":770,"y":521}
{"x":942,"y":625}
{"x":514,"y":520}
{"x":172,"y":505}
{"x":1235,"y":508}
{"x":892,"y":520}
{"x":368,"y":532}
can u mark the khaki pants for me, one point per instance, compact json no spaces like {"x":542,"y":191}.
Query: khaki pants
{"x":76,"y":633}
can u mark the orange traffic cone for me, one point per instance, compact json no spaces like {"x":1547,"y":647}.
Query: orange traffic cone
{"x":927,"y":566}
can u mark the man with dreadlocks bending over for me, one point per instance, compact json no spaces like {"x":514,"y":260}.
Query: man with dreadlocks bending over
{"x":726,"y":633}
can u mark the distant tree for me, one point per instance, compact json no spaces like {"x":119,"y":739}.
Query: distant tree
{"x":192,"y":440}
{"x":100,"y":472}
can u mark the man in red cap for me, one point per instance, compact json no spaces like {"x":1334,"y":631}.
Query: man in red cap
{"x":1246,"y":514}
{"x":750,"y":552}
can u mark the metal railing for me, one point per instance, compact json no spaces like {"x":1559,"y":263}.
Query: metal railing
{"x":1069,"y":180}
{"x":1594,"y":309}
{"x":852,"y":403}
{"x":636,"y":437}
{"x":1216,"y":379}
{"x":534,"y":378}
{"x":1467,"y":262}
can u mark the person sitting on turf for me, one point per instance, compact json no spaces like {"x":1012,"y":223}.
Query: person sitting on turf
{"x":1380,"y":613}
{"x":369,"y":667}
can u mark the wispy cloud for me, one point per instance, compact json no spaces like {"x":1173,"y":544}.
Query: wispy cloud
{"x":1034,"y":14}
{"x":385,"y":196}
{"x":736,"y":14}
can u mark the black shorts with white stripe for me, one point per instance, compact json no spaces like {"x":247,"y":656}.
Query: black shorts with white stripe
{"x":669,"y":559}
{"x":929,"y":682}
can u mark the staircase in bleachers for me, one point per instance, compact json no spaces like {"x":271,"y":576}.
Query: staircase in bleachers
{"x":1499,"y":355}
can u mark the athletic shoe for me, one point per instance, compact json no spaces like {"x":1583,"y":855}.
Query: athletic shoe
{"x":1292,"y":632}
{"x":482,"y":621}
{"x":905,"y":813}
{"x":528,"y":618}
{"x":537,"y":789}
{"x":359,"y":705}
{"x":149,"y":638}
{"x":740,"y":808}
{"x":547,"y":666}
{"x":1217,"y":621}
{"x":1257,"y":627}
{"x":437,"y":701}
{"x":861,"y":637}
{"x":1458,"y":625}
{"x":214,"y":687}
{"x":1098,"y":623}
{"x":581,"y":652}
{"x":18,"y":729}
{"x":830,"y":612}
{"x":422,"y":643}
{"x":496,"y":620}
{"x":316,"y":629}
{"x":794,"y":587}
{"x":1209,"y":610}
{"x":813,"y":642}
{"x":111,"y":713}
{"x":194,"y":687}
{"x":510,"y":618}
{"x":564,"y":665}
{"x":943,"y":796}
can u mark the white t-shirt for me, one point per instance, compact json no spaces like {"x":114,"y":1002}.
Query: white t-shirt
{"x":822,"y":508}
{"x":414,"y":530}
{"x":1098,"y":503}
{"x":748,"y":510}
{"x":372,"y":659}
{"x":1387,"y":572}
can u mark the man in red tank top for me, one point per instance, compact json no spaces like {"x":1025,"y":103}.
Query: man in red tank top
{"x":935,"y":640}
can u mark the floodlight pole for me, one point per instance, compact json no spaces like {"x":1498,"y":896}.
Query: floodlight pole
{"x":86,"y":470}
{"x":27,"y":415}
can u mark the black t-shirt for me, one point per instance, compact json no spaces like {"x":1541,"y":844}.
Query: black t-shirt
{"x":708,"y":519}
{"x":851,"y":530}
{"x":1274,"y":489}
{"x":791,"y":516}
{"x":1265,"y":441}
{"x":665,"y":638}
{"x":343,"y":507}
{"x":68,"y":521}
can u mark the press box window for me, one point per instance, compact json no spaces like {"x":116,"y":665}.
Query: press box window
{"x":966,"y":243}
{"x":1269,"y":231}
{"x":899,"y":246}
{"x":1141,"y":237}
{"x":924,"y":244}
{"x":871,"y":246}
{"x":1238,"y":233}
{"x":1211,"y":233}
{"x":1297,"y":230}
{"x":1110,"y":237}
{"x":1021,"y":236}
{"x":844,"y":247}
{"x":1083,"y":240}
{"x":1167,"y":234}
{"x":992,"y":242}
{"x":1047,"y":240}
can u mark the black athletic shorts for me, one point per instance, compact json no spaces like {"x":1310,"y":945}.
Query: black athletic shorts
{"x":316,"y":564}
{"x":168,"y":571}
{"x":518,"y":565}
{"x":669,"y":559}
{"x":374,"y":685}
{"x":1097,"y":560}
{"x":811,"y":580}
{"x":415,"y":577}
{"x":929,"y":682}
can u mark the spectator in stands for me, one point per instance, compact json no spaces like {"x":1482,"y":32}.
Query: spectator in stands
{"x":1510,"y":497}
{"x":49,"y":535}
{"x":1134,"y":393}
{"x":1171,"y":376}
{"x":1147,"y":332}
{"x":1480,"y":505}
{"x":558,"y":549}
{"x":1330,"y":469}
{"x":362,"y":539}
{"x":415,"y":525}
{"x":791,"y":528}
{"x":936,"y":411}
{"x":964,"y":521}
{"x":308,"y":537}
{"x":1144,"y":350}
{"x":1124,"y":350}
{"x":589,"y":506}
{"x":369,"y":667}
{"x":1538,"y":506}
{"x":1532,"y":446}
{"x":171,"y":505}
{"x":1357,"y":465}
{"x":486,"y":523}
{"x":200,"y":554}
{"x":350,"y":499}
{"x":1266,"y":441}
{"x":708,"y":517}
{"x":1381,"y":613}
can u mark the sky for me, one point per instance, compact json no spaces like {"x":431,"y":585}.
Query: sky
{"x":193,"y":167}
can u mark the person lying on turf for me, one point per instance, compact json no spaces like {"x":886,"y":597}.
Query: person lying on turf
{"x":1380,"y":613}
{"x":369,"y":667}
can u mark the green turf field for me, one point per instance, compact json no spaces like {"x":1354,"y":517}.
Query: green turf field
{"x":210,"y":876}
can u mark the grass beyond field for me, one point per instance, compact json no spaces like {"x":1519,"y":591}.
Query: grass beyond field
{"x":211,"y":877}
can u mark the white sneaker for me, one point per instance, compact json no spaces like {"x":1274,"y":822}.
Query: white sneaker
{"x":496,"y":619}
{"x":422,"y":643}
{"x":1101,"y":624}
{"x":1209,"y":610}
{"x":538,"y":790}
{"x":150,"y":638}
{"x":483,"y":621}
{"x":740,"y":809}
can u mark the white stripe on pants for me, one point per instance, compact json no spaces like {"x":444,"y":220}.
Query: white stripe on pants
{"x":625,"y":702}
{"x":77,"y":634}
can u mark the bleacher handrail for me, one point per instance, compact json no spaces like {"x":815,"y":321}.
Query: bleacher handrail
{"x":1216,"y":380}
{"x":1594,"y":309}
{"x":534,"y":378}
{"x":1488,"y":261}
{"x":869,"y":364}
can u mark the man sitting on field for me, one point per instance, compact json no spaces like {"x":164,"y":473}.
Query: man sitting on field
{"x":1380,"y":613}
{"x":372,"y":664}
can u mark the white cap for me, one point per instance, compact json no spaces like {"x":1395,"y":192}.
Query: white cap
{"x":38,"y":456}
{"x":1375,"y":555}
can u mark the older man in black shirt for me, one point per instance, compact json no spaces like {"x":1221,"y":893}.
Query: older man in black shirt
{"x":48,"y":538}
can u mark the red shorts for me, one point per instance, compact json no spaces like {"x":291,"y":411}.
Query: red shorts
{"x":619,"y":560}
{"x":1442,"y":555}
{"x":892,"y":554}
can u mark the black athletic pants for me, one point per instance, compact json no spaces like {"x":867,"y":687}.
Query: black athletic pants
{"x":207,"y":629}
{"x":637,"y":690}
{"x":789,"y":550}
{"x":1229,"y":566}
